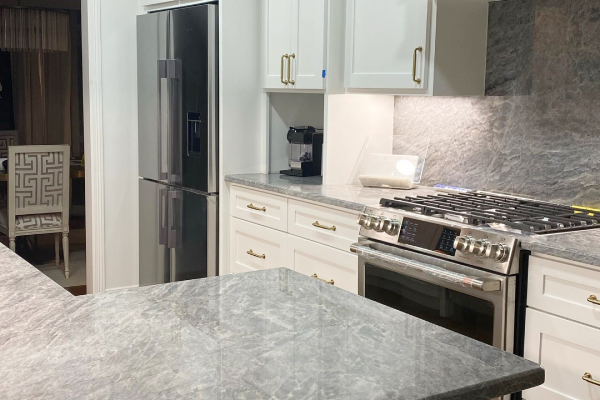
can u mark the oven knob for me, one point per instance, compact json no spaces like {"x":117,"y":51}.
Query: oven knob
{"x":362,"y":219}
{"x":479,"y":247}
{"x":498,"y":252}
{"x":391,"y":226}
{"x":368,"y":221}
{"x":462,"y":243}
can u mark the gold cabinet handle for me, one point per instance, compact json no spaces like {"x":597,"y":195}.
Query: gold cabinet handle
{"x":418,"y":80}
{"x":316,"y":224}
{"x":289,"y":77}
{"x":253,"y":254}
{"x":283,"y":57}
{"x":594,"y":300}
{"x":588,"y":378}
{"x":253,"y":207}
{"x":331,"y":282}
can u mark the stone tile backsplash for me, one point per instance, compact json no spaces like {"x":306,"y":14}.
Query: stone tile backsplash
{"x":537,"y":130}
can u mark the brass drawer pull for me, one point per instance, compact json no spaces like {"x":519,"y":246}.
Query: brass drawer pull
{"x":588,"y":378}
{"x":331,"y":282}
{"x":316,"y":224}
{"x":594,"y":300}
{"x":253,"y":254}
{"x":418,"y":80}
{"x":253,"y":207}
{"x":283,"y":57}
{"x":289,"y":77}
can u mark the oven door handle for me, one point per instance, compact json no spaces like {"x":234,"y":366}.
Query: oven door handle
{"x":481,"y":284}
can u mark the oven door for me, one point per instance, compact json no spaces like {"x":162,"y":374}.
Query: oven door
{"x":463,"y":299}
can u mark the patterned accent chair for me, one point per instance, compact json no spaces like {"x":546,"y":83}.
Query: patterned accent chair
{"x":7,"y":139}
{"x":38,"y":195}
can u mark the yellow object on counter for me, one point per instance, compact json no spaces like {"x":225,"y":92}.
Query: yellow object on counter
{"x":592,"y":213}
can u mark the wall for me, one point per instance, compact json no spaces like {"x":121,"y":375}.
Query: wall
{"x":119,"y":86}
{"x":536,"y":131}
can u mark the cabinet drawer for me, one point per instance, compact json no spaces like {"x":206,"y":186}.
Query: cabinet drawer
{"x":323,"y":225}
{"x":259,"y":208}
{"x":564,"y":289}
{"x":566,"y":350}
{"x":310,"y":258}
{"x":253,"y":247}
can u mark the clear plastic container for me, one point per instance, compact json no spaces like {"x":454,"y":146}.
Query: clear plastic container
{"x":299,"y":153}
{"x":389,"y":171}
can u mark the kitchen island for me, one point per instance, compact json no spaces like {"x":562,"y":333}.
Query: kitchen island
{"x":271,"y":334}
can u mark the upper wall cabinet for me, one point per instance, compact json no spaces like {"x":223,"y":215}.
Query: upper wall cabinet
{"x":426,"y":47}
{"x":294,"y":34}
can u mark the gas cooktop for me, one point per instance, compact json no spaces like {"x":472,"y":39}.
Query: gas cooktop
{"x":498,"y":211}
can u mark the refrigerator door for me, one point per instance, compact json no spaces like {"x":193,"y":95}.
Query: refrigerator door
{"x":152,"y":47}
{"x":192,"y":235}
{"x":154,"y":253}
{"x":194,"y":147}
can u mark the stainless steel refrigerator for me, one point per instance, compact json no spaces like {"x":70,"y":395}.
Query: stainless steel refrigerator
{"x":178,"y":144}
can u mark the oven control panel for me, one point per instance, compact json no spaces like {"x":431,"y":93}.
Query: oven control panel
{"x":447,"y":239}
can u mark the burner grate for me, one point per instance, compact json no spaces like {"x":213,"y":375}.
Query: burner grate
{"x":478,"y":209}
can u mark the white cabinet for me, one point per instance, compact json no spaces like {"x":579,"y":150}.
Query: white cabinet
{"x":270,"y":231}
{"x":382,"y":38}
{"x":259,"y":208}
{"x":294,"y":34}
{"x":323,"y":225}
{"x":426,"y":47}
{"x":567,"y":351}
{"x":325,"y":263}
{"x":565,"y":290}
{"x":562,"y":331}
{"x":254,"y":247}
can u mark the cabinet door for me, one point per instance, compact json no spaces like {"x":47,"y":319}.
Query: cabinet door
{"x":308,"y":44}
{"x":253,"y":247}
{"x":328,"y":264}
{"x":381,"y":39}
{"x":567,"y":351}
{"x":277,"y":32}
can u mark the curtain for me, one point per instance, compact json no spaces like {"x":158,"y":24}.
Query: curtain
{"x":33,"y":30}
{"x":47,"y":94}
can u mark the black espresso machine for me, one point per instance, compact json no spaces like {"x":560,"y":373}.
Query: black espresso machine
{"x":304,"y":151}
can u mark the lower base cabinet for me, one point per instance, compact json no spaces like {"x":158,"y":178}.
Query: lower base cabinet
{"x":568,"y":351}
{"x":253,"y":247}
{"x":333,"y":266}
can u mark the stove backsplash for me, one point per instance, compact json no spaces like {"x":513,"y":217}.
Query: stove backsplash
{"x":537,"y":131}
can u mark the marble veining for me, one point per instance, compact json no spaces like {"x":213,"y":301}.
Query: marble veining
{"x":579,"y":246}
{"x":536,"y":133}
{"x":272,"y":334}
{"x":351,"y":197}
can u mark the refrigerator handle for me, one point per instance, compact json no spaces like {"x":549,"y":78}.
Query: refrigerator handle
{"x":174,"y":236}
{"x":162,"y":223}
{"x":174,"y":87}
{"x":162,"y":74}
{"x":212,"y":118}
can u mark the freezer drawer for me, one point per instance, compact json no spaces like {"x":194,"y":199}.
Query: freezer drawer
{"x":178,"y":234}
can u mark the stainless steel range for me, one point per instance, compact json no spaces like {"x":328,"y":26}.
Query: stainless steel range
{"x":455,"y":259}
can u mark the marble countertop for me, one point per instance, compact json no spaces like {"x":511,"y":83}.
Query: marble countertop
{"x":352,"y":197}
{"x":271,"y":334}
{"x":574,"y":246}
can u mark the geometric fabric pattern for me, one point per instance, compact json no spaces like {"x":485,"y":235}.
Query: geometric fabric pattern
{"x":32,"y":222}
{"x":39,"y":179}
{"x":6,"y":139}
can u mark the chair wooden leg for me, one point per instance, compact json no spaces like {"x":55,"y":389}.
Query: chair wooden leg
{"x":66,"y":253}
{"x":12,"y":244}
{"x":57,"y":248}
